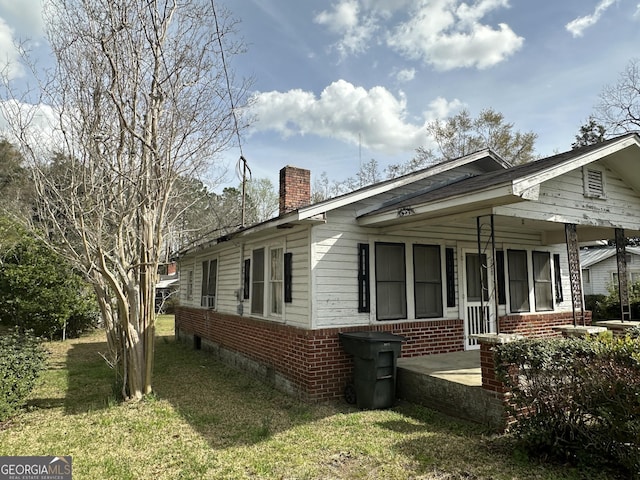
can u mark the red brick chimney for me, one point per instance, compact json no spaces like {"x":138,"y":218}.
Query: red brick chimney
{"x":295,"y":189}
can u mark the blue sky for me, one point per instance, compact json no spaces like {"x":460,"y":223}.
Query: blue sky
{"x":336,"y":82}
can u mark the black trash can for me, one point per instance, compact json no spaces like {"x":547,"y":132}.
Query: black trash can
{"x":375,"y":356}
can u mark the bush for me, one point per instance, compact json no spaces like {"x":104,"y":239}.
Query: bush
{"x":39,"y":290}
{"x":21,"y":360}
{"x":576,"y":399}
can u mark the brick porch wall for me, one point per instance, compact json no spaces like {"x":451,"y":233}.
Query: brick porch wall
{"x":313,"y":362}
{"x":538,"y":325}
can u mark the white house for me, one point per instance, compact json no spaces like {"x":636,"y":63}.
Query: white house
{"x":600,"y":268}
{"x":468,"y":246}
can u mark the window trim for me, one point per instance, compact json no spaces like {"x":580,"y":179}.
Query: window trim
{"x":257,"y":285}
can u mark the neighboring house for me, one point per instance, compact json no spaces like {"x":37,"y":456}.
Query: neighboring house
{"x":600,"y":268}
{"x":167,"y":287}
{"x":464,"y":247}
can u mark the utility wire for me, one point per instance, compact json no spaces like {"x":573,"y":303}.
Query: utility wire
{"x":226,"y":76}
{"x":242,"y":160}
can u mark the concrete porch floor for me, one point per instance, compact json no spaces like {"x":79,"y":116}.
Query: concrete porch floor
{"x":450,"y":383}
{"x":458,"y":367}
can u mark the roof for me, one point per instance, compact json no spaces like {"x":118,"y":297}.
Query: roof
{"x":509,"y":176}
{"x":486,"y":159}
{"x":591,"y":256}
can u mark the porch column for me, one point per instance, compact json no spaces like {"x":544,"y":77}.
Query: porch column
{"x":575,"y":273}
{"x":623,"y":281}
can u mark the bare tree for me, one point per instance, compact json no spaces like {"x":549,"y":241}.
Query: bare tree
{"x":618,"y":110}
{"x":461,"y":135}
{"x":140,"y":94}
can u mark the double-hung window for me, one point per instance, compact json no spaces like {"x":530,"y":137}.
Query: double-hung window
{"x":257,"y":282}
{"x":542,"y":281}
{"x":427,"y":281}
{"x":518,"y":281}
{"x":209,"y":283}
{"x":391,"y":283}
{"x":270,"y":281}
{"x":276,"y":281}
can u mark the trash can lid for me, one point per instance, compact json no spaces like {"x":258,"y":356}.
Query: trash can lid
{"x":373,"y":336}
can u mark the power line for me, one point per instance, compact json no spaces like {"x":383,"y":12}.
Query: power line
{"x":242,"y":159}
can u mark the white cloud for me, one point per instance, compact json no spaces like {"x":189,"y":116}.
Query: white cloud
{"x":19,"y":21}
{"x":38,"y":123}
{"x":578,"y":25}
{"x":406,"y":75}
{"x":374,"y":117}
{"x":344,"y":20}
{"x":9,"y":56}
{"x":447,"y":35}
{"x":444,"y":33}
{"x":25,"y":16}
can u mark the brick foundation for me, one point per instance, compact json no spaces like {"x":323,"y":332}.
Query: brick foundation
{"x":311,"y":363}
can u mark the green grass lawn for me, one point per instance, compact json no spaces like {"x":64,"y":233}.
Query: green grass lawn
{"x":209,"y":421}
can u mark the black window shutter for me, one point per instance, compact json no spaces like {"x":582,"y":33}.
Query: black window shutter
{"x":288,"y":266}
{"x":451,"y":281}
{"x":502,"y":284}
{"x":558,"y":277}
{"x":246,"y":279}
{"x":364,"y":294}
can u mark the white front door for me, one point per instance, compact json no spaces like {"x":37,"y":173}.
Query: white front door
{"x":478,"y":307}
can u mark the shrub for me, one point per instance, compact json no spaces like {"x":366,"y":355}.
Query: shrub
{"x":39,"y":290}
{"x":21,"y":360}
{"x":576,"y":399}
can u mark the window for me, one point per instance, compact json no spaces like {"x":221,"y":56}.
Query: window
{"x":586,"y":275}
{"x":427,"y":281}
{"x":209,"y":282}
{"x":276,"y":281}
{"x":558,"y":277}
{"x":190,"y":285}
{"x":451,"y":279}
{"x":542,"y":281}
{"x":593,"y":183}
{"x":391,"y":288}
{"x":257,"y":282}
{"x":364,"y":294}
{"x":518,"y":280}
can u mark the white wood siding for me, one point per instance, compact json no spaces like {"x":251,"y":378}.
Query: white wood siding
{"x":562,"y":200}
{"x":335,"y":265}
{"x":230,"y":279}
